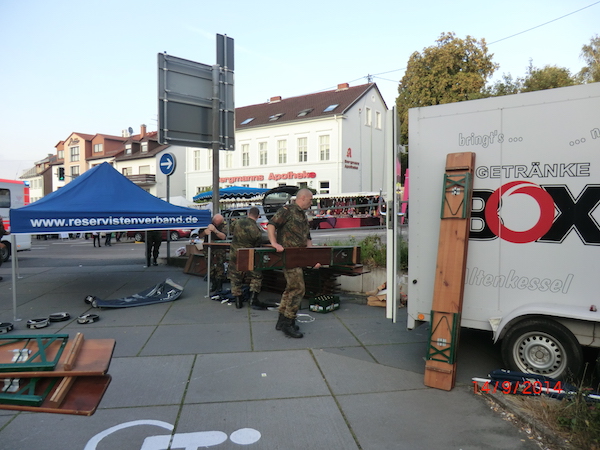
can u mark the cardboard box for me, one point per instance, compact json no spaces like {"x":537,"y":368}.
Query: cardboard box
{"x":194,"y":249}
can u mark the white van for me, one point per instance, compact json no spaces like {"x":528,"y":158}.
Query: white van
{"x":13,"y":194}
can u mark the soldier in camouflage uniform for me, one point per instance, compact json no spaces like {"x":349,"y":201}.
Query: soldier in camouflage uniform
{"x":217,"y":266}
{"x":246,"y":234}
{"x":289,"y":228}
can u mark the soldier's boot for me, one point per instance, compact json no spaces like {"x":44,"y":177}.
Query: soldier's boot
{"x":239,"y":302}
{"x":215,"y":284}
{"x":280,"y":321}
{"x":289,"y":329}
{"x":255,"y":303}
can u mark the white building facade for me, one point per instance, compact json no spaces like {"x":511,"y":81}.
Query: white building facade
{"x":333,"y":142}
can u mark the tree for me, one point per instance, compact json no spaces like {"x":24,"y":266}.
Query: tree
{"x":453,"y":70}
{"x":591,"y":55}
{"x":549,"y":77}
{"x":506,"y":86}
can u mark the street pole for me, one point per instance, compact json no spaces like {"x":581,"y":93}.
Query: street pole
{"x":216,"y":143}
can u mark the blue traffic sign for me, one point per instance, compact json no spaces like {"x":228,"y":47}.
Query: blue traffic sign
{"x":167,"y":163}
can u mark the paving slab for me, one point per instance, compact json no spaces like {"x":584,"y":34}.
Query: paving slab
{"x":198,"y":338}
{"x":301,"y":423}
{"x":111,"y":429}
{"x":429,"y":419}
{"x":255,"y":376}
{"x":146,"y":381}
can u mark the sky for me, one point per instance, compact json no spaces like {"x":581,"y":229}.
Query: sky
{"x":91,"y":66}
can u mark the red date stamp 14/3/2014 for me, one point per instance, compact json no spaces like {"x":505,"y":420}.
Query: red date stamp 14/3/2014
{"x":517,"y":387}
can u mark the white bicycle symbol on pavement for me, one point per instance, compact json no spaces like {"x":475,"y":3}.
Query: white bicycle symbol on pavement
{"x":185,"y":441}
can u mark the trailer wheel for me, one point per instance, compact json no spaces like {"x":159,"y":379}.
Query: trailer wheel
{"x":544,"y":347}
{"x":138,"y":237}
{"x":4,"y":252}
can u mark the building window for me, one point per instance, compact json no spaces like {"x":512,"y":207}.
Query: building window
{"x":61,"y":154}
{"x":74,"y":171}
{"x":324,"y":187}
{"x":282,"y":151}
{"x":210,"y":152}
{"x":144,"y":147}
{"x":228,"y":159}
{"x":128,"y":149}
{"x":245,"y":155}
{"x":126,"y":171}
{"x":262,"y":185}
{"x":324,"y":147}
{"x":262,"y":153}
{"x":378,"y":120}
{"x":303,"y":185}
{"x":247,"y":121}
{"x":97,"y":148}
{"x":74,"y":153}
{"x":144,"y":170}
{"x":331,"y":107}
{"x":368,"y":117}
{"x":302,"y":149}
{"x":304,"y":112}
{"x":196,"y":158}
{"x":274,"y":117}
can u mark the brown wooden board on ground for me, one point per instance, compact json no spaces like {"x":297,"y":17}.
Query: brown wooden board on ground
{"x":92,"y":359}
{"x":269,"y":259}
{"x":81,"y":398}
{"x":440,"y":365}
{"x":195,"y":265}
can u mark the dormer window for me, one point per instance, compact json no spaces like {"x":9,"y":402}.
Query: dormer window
{"x":247,"y":121}
{"x":275,"y":117}
{"x":331,"y":107}
{"x":304,"y":112}
{"x":144,"y":147}
{"x":128,"y":149}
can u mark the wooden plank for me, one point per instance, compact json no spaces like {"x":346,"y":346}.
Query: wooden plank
{"x":74,"y":351}
{"x":93,"y":360}
{"x":268,"y":259}
{"x":61,"y":392}
{"x":82,"y":398}
{"x":440,"y":367}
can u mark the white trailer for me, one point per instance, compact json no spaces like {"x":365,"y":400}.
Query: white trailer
{"x":533,"y":276}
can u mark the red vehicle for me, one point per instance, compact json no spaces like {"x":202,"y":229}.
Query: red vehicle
{"x":139,"y":235}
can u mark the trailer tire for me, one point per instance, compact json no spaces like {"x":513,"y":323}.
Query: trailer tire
{"x":544,"y":347}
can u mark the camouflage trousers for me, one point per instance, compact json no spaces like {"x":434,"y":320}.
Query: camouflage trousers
{"x":217,"y":265}
{"x":237,"y":279}
{"x":293,"y":293}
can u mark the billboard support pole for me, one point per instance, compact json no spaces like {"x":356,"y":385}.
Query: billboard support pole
{"x":216,"y":144}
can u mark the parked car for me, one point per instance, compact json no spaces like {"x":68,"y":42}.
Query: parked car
{"x":277,"y":197}
{"x":233,"y":214}
{"x":139,"y":235}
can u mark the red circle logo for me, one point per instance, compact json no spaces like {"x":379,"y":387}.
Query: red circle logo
{"x":544,"y":200}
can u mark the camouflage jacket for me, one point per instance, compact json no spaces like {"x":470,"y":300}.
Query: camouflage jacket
{"x":246,"y":234}
{"x":213,"y":236}
{"x":292,"y":226}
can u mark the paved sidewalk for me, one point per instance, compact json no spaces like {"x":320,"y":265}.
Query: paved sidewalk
{"x":196,"y":366}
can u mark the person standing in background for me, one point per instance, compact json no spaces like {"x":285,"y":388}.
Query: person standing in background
{"x":96,"y":237}
{"x":153,"y":242}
